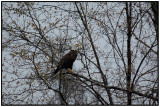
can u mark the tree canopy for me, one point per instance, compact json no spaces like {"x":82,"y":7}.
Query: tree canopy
{"x":117,"y":64}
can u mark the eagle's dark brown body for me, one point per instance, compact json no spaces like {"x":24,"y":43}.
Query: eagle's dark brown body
{"x":67,"y":61}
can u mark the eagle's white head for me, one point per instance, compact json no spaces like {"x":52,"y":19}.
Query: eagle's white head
{"x":75,"y":46}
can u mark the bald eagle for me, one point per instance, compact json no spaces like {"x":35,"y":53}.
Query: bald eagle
{"x":67,"y":60}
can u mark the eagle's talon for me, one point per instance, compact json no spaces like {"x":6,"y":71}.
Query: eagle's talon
{"x":69,"y":70}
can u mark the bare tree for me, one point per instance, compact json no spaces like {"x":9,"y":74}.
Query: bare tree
{"x":117,"y":64}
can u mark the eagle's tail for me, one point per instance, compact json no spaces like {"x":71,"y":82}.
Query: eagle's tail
{"x":56,"y":71}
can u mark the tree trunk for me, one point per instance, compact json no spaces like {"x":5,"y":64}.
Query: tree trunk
{"x":128,"y":72}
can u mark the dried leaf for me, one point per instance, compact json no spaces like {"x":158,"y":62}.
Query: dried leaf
{"x":17,"y":82}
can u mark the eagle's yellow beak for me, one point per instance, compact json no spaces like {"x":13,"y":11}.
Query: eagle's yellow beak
{"x":78,"y":44}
